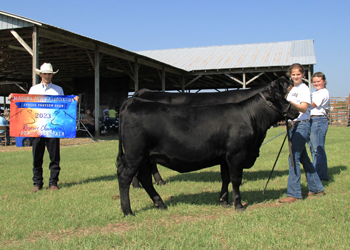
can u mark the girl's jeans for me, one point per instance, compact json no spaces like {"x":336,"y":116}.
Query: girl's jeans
{"x":300,"y":135}
{"x":319,"y":127}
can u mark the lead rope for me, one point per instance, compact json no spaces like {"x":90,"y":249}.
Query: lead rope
{"x":275,"y":163}
{"x":290,"y":144}
{"x":290,"y":153}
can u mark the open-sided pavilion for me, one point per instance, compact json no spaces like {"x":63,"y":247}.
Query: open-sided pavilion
{"x":103,"y":74}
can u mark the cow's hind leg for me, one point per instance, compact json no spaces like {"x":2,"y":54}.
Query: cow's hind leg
{"x":145,"y":178}
{"x":125,"y":176}
{"x":225,"y":177}
{"x":236,"y":174}
{"x":135,"y":182}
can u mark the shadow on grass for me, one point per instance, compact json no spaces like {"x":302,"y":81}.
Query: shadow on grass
{"x":89,"y":180}
{"x":110,"y":137}
{"x":102,"y":137}
{"x":251,"y":197}
{"x":214,"y":176}
{"x":212,"y":199}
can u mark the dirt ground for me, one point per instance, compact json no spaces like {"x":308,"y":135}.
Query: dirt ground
{"x":63,"y":142}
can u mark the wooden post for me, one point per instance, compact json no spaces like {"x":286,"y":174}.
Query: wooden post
{"x":35,"y":57}
{"x":136,"y":74}
{"x":97,"y":90}
{"x":163,"y":79}
{"x":244,"y":82}
{"x":336,"y":112}
{"x":183,"y":83}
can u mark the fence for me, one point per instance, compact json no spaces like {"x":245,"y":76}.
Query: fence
{"x":339,"y":111}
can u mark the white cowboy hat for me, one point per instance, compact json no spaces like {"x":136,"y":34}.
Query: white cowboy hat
{"x":45,"y":68}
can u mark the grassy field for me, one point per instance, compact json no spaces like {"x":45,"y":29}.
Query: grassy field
{"x":85,"y":213}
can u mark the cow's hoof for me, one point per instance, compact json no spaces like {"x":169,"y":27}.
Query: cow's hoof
{"x":160,"y":206}
{"x":225,"y":204}
{"x":127,"y":213}
{"x":161,"y":182}
{"x":240,"y":208}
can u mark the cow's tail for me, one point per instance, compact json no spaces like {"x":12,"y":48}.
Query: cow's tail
{"x":120,"y":156}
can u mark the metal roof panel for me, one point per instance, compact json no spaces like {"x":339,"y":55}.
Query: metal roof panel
{"x":237,"y":56}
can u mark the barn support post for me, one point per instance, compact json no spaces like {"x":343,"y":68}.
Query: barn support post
{"x":183,"y":81}
{"x":136,"y":74}
{"x":255,"y":77}
{"x":32,"y":51}
{"x":244,"y":82}
{"x":97,"y":90}
{"x":193,"y":80}
{"x":163,"y":79}
{"x":234,"y":79}
{"x":35,"y":56}
{"x":309,"y":78}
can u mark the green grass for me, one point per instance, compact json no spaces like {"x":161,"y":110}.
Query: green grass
{"x":85,"y":213}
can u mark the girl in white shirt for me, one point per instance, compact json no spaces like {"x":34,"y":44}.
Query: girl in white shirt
{"x":300,"y":98}
{"x":319,"y":124}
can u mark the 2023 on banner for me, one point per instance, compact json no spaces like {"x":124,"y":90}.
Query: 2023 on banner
{"x":43,"y":116}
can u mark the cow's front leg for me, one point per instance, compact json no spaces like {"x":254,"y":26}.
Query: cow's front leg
{"x":145,"y":178}
{"x":124,"y":179}
{"x":225,"y":177}
{"x":236,"y":180}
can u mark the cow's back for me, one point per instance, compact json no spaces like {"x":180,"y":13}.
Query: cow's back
{"x":199,"y":99}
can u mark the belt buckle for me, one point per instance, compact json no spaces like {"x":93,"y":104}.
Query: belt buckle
{"x":290,"y":124}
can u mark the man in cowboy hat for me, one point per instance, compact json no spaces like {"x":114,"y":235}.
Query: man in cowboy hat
{"x":46,"y":87}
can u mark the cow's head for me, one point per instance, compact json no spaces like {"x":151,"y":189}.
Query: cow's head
{"x":275,"y":94}
{"x":285,"y":83}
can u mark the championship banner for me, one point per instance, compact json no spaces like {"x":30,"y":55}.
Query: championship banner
{"x":52,"y":116}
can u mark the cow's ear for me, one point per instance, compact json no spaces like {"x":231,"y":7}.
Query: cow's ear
{"x":276,"y":84}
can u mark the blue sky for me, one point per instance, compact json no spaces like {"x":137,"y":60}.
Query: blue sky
{"x":150,"y":24}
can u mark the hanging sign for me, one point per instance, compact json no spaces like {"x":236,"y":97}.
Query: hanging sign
{"x":52,"y":116}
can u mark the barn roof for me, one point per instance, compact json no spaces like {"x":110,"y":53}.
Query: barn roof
{"x":237,"y":56}
{"x":233,"y":66}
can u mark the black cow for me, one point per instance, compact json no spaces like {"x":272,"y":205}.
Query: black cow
{"x":191,"y":138}
{"x":196,"y":99}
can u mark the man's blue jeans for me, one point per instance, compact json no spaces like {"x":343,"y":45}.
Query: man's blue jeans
{"x":300,"y":135}
{"x":319,"y":128}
